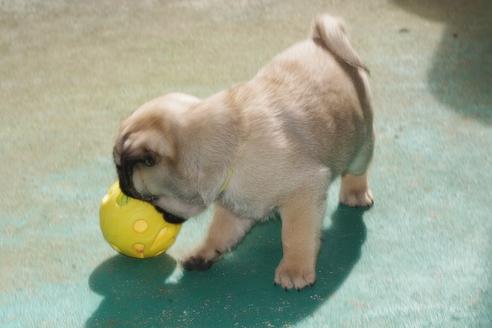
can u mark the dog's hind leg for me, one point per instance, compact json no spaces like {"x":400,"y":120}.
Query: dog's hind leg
{"x":354,"y":189}
{"x":302,"y":218}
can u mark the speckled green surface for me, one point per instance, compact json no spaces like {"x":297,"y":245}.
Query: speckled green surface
{"x":70,"y":71}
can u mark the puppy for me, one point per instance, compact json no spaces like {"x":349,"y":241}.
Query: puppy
{"x":273,"y":143}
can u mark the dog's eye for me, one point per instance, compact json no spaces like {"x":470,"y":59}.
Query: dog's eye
{"x":149,"y":161}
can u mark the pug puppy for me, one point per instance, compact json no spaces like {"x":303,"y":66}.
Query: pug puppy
{"x":274,"y":143}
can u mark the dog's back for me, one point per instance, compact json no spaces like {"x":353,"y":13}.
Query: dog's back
{"x":317,"y":94}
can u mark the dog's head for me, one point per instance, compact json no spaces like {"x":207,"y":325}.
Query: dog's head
{"x":147,"y":158}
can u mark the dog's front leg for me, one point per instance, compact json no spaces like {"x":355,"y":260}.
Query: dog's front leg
{"x":302,"y":218}
{"x":225,"y":231}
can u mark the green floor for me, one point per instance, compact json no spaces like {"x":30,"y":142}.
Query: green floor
{"x":70,"y":70}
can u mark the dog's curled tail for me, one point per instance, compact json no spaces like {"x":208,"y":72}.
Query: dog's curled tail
{"x":331,"y":32}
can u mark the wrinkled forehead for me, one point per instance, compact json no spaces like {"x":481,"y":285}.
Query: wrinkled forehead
{"x":152,"y":126}
{"x":144,"y":118}
{"x":138,"y":142}
{"x":142,"y":138}
{"x":157,"y":113}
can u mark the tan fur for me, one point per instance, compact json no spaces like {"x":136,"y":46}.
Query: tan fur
{"x":355,"y":191}
{"x":303,"y":120}
{"x":225,"y":231}
{"x":302,"y":218}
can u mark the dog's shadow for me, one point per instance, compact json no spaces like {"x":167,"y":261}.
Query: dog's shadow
{"x":237,"y":291}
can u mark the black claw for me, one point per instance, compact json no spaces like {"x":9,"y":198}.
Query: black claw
{"x":197,"y":263}
{"x":298,"y":290}
{"x":285,"y":289}
{"x":275,"y":284}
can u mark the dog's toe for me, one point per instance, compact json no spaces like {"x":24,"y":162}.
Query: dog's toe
{"x":294,"y":276}
{"x":357,"y":199}
{"x":197,"y":263}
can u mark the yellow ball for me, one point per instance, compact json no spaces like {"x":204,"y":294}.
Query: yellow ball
{"x":134,"y":227}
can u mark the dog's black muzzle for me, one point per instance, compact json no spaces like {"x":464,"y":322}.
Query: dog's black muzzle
{"x":125,"y":173}
{"x":168,"y":217}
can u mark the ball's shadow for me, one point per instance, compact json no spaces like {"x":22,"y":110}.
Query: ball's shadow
{"x":237,"y":290}
{"x":461,"y":71}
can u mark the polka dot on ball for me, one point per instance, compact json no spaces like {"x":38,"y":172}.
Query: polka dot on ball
{"x":140,"y":249}
{"x":140,"y":225}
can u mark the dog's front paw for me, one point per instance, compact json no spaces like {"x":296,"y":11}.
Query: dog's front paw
{"x":294,"y":275}
{"x":201,"y":260}
{"x":197,"y":263}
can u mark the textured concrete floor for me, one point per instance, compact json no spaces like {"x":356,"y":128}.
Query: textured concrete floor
{"x":69,"y":71}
